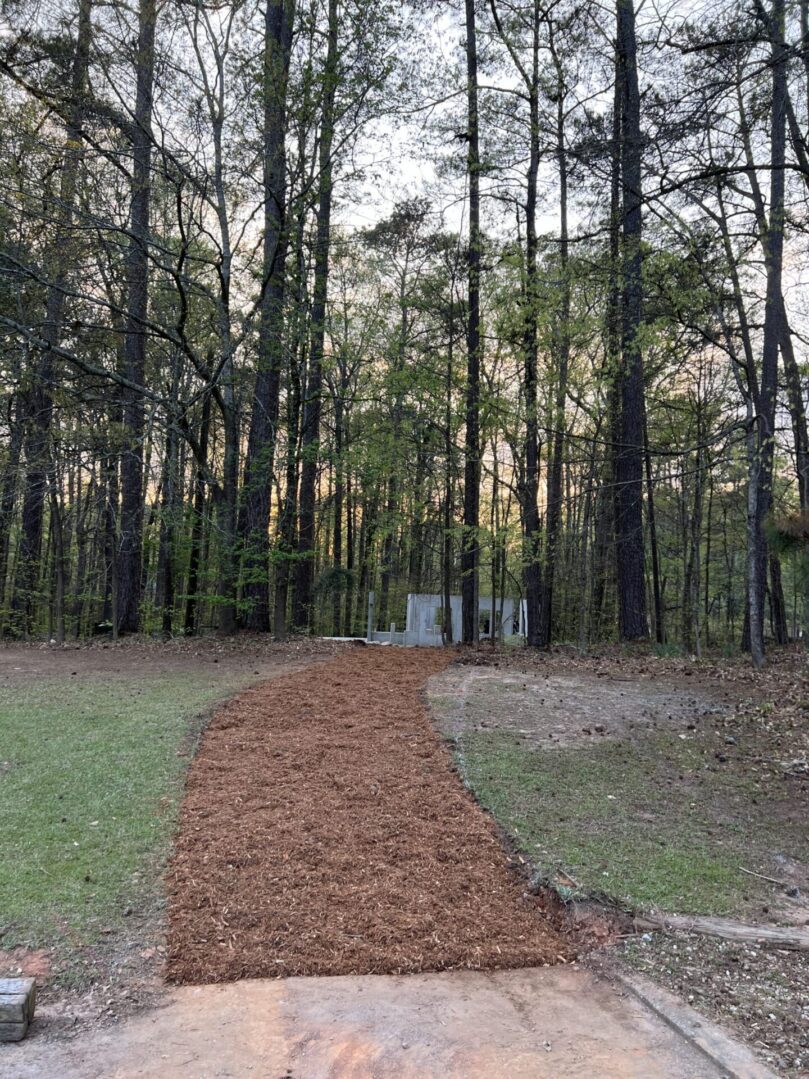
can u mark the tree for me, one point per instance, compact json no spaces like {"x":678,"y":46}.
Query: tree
{"x":130,"y":541}
{"x":470,"y":547}
{"x":260,"y":459}
{"x":629,"y":544}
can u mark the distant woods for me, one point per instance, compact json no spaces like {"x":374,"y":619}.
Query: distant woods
{"x":254,"y":366}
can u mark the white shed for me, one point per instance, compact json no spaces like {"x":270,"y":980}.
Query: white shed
{"x":425,"y":616}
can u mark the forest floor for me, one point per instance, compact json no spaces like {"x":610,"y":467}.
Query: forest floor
{"x":657,"y":784}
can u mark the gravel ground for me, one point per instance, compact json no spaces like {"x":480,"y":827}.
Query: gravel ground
{"x":760,"y":994}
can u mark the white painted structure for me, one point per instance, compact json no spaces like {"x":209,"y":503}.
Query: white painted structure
{"x":425,"y":616}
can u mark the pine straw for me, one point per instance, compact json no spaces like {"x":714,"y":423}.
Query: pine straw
{"x":325,"y":831}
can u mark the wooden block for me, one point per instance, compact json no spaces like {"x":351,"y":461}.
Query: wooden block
{"x":13,"y":1008}
{"x":17,"y":985}
{"x":13,"y":1032}
{"x":17,"y":1002}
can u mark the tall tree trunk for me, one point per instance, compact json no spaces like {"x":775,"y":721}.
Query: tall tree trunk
{"x":608,"y":511}
{"x":528,"y":475}
{"x":59,"y":559}
{"x":470,"y":549}
{"x":692,"y":537}
{"x":261,"y":443}
{"x":660,"y":628}
{"x":198,"y":521}
{"x":339,"y":493}
{"x":8,"y":491}
{"x":390,"y":551}
{"x":773,"y":317}
{"x":168,"y":515}
{"x":446,"y":547}
{"x":562,"y":362}
{"x":39,"y":399}
{"x":110,"y":490}
{"x":226,"y":501}
{"x":348,"y":609}
{"x":310,"y":439}
{"x":130,"y":538}
{"x":629,"y":456}
{"x":288,"y":517}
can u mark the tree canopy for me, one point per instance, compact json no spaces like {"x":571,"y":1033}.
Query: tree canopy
{"x":301,"y":299}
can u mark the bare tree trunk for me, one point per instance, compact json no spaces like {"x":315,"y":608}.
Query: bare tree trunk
{"x":168,"y":516}
{"x":288,"y":517}
{"x":660,"y":629}
{"x":226,"y":502}
{"x":765,"y":447}
{"x":38,"y":411}
{"x":310,"y":442}
{"x":8,"y":491}
{"x":59,"y":559}
{"x":629,"y":456}
{"x":470,"y":547}
{"x":260,"y":460}
{"x":562,"y":358}
{"x":130,"y":537}
{"x":348,"y":608}
{"x":448,"y":508}
{"x":198,"y":522}
{"x":607,"y":516}
{"x":339,"y":495}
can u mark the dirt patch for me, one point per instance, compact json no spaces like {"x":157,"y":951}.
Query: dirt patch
{"x":559,"y":708}
{"x":25,"y":963}
{"x":325,"y":831}
{"x":245,"y":656}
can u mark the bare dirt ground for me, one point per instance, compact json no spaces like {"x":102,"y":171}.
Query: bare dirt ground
{"x":760,"y":994}
{"x":248,"y":656}
{"x":561,"y":705}
{"x":325,"y":831}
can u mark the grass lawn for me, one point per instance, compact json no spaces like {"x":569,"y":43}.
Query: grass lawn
{"x":651,"y":821}
{"x":91,"y":771}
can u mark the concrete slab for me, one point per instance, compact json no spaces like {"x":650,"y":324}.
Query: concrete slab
{"x":560,"y":1022}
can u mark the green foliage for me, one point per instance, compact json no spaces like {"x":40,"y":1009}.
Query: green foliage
{"x":336,"y":579}
{"x":668,"y":650}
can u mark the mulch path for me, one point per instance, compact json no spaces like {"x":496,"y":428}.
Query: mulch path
{"x":325,"y":831}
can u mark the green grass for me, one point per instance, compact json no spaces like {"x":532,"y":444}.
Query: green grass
{"x":91,"y":773}
{"x":643,"y":822}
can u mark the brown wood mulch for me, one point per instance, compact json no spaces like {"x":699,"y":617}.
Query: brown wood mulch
{"x":325,"y":831}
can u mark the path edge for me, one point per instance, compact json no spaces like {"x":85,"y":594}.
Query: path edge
{"x":733,"y":1058}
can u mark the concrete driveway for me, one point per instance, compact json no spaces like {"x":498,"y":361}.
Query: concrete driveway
{"x":560,"y":1022}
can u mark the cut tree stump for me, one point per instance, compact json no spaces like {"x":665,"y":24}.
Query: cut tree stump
{"x":17,"y":1001}
{"x":794,"y":938}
